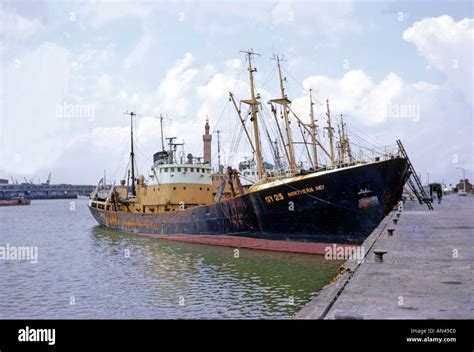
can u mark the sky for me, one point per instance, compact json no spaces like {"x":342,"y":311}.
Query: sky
{"x":70,"y":69}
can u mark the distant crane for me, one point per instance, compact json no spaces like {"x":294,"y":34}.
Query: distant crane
{"x":49,"y":179}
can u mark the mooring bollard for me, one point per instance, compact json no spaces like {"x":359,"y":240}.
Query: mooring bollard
{"x":395,"y":221}
{"x":390,"y":231}
{"x":400,"y":206}
{"x":398,"y":214}
{"x":379,"y":255}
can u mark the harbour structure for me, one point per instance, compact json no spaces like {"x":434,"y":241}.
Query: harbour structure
{"x":45,"y":190}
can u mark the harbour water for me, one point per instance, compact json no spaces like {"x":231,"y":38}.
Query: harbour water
{"x":84,"y":271}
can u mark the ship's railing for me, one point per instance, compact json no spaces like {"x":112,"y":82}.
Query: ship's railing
{"x":373,"y":155}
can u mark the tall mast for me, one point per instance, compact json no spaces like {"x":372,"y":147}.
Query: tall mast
{"x":253,"y":102}
{"x":279,"y":132}
{"x":284,"y":102}
{"x":345,"y":136}
{"x":330,"y":132}
{"x":343,"y":140}
{"x":132,"y":154}
{"x":314,"y":130}
{"x":162,"y":139}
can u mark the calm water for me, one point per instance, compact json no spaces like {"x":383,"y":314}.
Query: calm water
{"x":81,"y":263}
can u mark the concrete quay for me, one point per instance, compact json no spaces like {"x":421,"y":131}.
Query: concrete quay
{"x":427,"y":271}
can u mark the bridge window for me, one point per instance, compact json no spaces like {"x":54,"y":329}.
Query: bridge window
{"x":172,"y":169}
{"x":179,"y":169}
{"x":166,"y":169}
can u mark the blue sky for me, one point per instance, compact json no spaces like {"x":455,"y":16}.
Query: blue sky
{"x":181,"y":58}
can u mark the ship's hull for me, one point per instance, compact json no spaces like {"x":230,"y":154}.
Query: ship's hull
{"x":15,"y":202}
{"x":304,"y":215}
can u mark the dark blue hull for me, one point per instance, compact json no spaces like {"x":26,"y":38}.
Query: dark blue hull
{"x":342,"y":206}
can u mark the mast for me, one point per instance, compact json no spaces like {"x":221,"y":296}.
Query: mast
{"x":347,"y":145}
{"x":279,"y":132}
{"x":132,"y":154}
{"x":314,"y":130}
{"x":253,"y":102}
{"x":343,"y":140}
{"x":284,"y":101}
{"x":162,"y":139}
{"x":330,"y":133}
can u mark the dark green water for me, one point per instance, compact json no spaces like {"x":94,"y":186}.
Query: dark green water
{"x":114,"y":275}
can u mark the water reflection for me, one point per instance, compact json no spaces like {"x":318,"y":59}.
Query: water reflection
{"x":183,"y":280}
{"x":82,"y":262}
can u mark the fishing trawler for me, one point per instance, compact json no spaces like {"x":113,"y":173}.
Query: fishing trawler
{"x":289,"y":208}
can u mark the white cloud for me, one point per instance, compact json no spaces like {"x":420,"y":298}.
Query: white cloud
{"x":321,"y":16}
{"x":103,"y":12}
{"x":447,"y":46}
{"x":91,"y":58}
{"x":16,"y":27}
{"x":139,"y":51}
{"x":32,"y":132}
{"x":104,"y":86}
{"x":357,"y":95}
{"x":176,"y":87}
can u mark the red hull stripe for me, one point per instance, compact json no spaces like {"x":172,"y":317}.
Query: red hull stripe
{"x":254,"y":243}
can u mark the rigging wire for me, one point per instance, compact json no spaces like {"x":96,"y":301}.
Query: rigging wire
{"x":236,"y":79}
